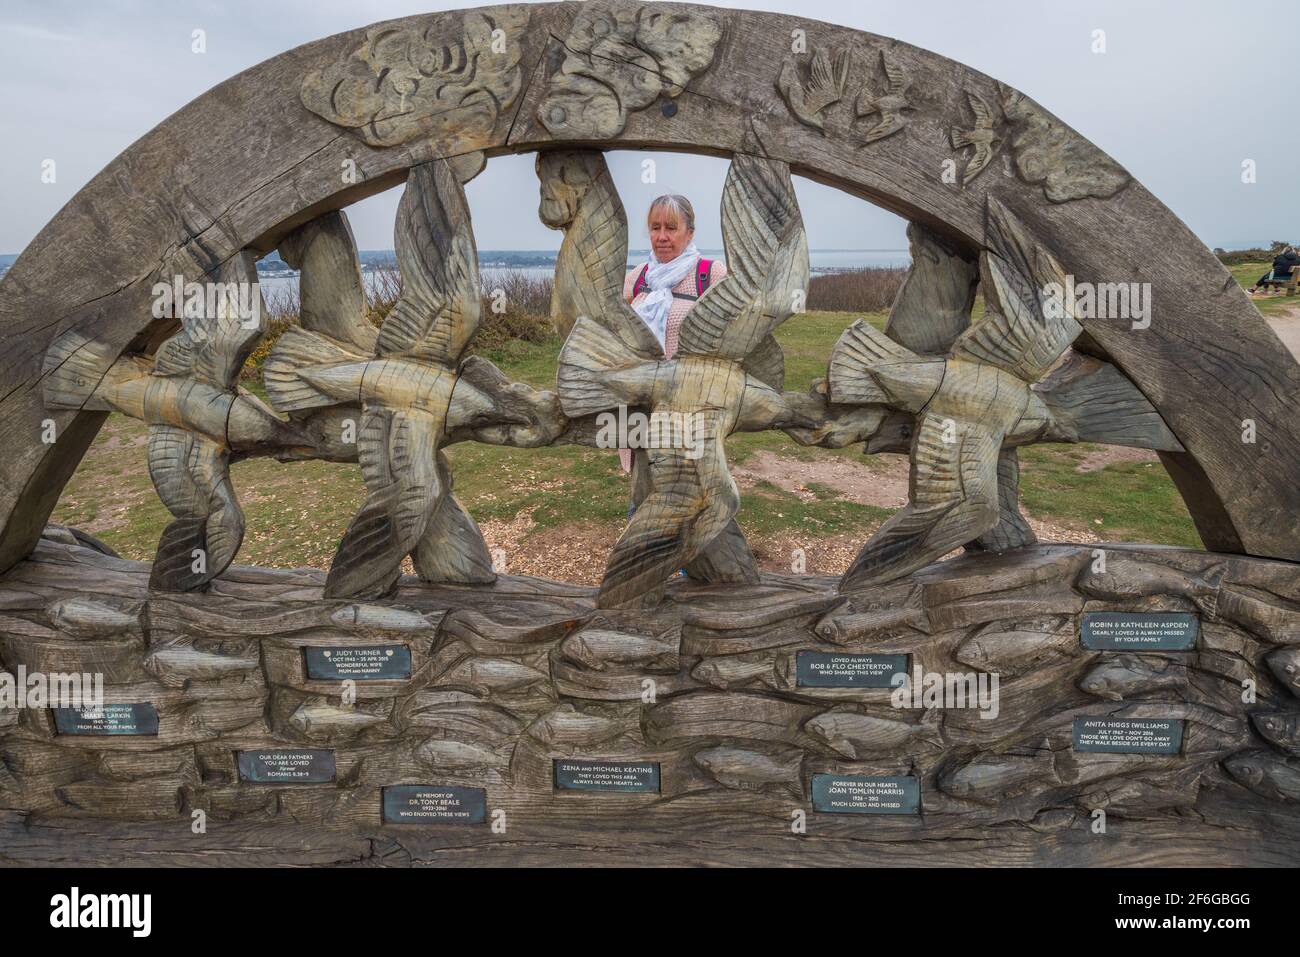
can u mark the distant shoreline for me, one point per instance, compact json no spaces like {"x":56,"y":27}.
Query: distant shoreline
{"x":831,"y":259}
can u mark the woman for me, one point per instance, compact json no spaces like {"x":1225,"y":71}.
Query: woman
{"x":1286,"y":261}
{"x":663,"y":290}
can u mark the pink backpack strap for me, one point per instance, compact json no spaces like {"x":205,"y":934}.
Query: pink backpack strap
{"x":702,"y":276}
{"x":640,"y":281}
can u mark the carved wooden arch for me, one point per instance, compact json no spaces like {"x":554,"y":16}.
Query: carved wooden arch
{"x":262,"y":153}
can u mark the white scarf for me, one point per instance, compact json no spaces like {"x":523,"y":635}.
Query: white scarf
{"x":659,"y":280}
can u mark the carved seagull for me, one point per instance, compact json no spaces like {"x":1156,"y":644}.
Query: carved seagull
{"x":725,"y":376}
{"x":411,"y":393}
{"x":977,"y":399}
{"x":890,"y":105}
{"x":199,"y":420}
{"x":981,"y":137}
{"x":825,"y":85}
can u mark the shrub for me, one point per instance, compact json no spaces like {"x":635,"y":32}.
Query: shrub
{"x":1238,"y":257}
{"x":524,"y":302}
{"x":855,"y":290}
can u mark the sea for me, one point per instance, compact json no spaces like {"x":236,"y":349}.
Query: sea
{"x":278,"y":280}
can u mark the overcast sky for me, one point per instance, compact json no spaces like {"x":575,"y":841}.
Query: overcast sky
{"x":1186,"y":90}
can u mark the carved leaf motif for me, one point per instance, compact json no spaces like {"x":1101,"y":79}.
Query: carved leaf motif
{"x":619,"y":58}
{"x":1046,"y":152}
{"x":404,"y":84}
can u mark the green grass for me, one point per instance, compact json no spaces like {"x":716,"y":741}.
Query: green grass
{"x":297,"y":512}
{"x":1247,"y":274}
{"x":1124,"y":501}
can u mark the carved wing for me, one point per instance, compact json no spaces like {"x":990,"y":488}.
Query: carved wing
{"x":452,"y":547}
{"x":438,"y":312}
{"x":192,"y":476}
{"x":895,"y":75}
{"x":933,"y":306}
{"x":953,"y":500}
{"x":1022,"y":332}
{"x":767,"y":262}
{"x":396,"y":450}
{"x":578,"y":195}
{"x":330,"y":290}
{"x":767,"y":363}
{"x":212,"y":349}
{"x":673,"y":525}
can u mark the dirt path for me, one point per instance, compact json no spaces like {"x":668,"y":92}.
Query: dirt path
{"x":577,"y":553}
{"x":1287,"y":327}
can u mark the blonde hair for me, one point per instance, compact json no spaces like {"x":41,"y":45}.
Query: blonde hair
{"x":680,"y":206}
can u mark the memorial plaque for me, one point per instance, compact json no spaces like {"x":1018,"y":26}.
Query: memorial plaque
{"x":1134,"y":631}
{"x":359,"y":663}
{"x":861,"y":794}
{"x":1128,"y":735}
{"x":139,"y":718}
{"x":285,"y":766}
{"x":434,"y":804}
{"x":821,"y":669}
{"x":606,"y":776}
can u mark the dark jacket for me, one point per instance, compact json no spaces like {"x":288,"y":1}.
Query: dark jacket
{"x":1284,"y":263}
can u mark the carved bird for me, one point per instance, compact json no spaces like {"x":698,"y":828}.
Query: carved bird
{"x":890,"y":104}
{"x":199,"y":419}
{"x":579,"y":197}
{"x":981,"y":137}
{"x":977,"y":399}
{"x":724,"y":377}
{"x":411,"y":393}
{"x":824,"y":87}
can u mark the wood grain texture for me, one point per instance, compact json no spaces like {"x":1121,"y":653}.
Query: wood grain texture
{"x":610,"y":363}
{"x":174,"y":203}
{"x":508,"y":677}
{"x":406,"y":380}
{"x":979,"y":400}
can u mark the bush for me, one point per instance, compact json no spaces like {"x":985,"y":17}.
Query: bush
{"x":516,"y":305}
{"x":855,"y":290}
{"x":523,"y":301}
{"x":1257,"y":255}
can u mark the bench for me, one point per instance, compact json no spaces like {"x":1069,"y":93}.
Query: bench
{"x":1288,"y":281}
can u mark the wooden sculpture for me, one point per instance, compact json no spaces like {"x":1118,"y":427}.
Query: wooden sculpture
{"x":406,"y":379}
{"x":199,"y":419}
{"x":725,"y":376}
{"x":979,"y":399}
{"x":744,"y":701}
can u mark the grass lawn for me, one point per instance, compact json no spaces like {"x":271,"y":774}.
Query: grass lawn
{"x":296,"y":513}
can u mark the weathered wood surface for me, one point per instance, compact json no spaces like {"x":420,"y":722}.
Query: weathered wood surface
{"x":872,"y":116}
{"x":508,"y":677}
{"x":981,"y":398}
{"x":725,"y":376}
